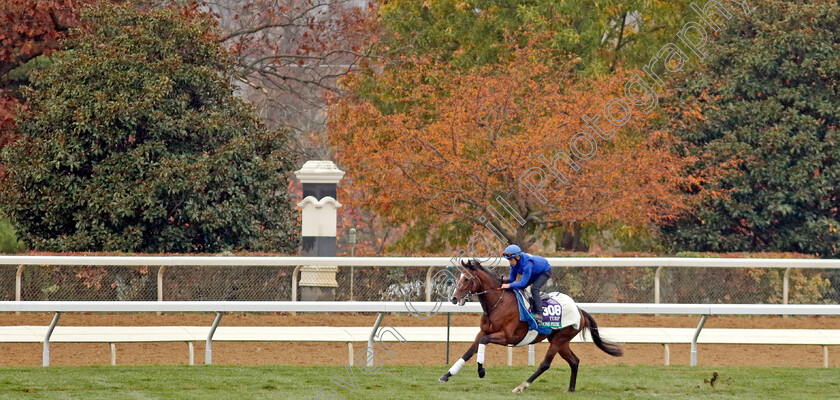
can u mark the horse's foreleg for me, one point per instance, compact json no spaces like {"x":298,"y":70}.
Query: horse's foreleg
{"x":553,"y":348}
{"x":498,"y":338}
{"x":460,"y":363}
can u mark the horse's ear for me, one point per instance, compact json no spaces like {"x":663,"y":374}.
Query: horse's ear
{"x":464,"y":264}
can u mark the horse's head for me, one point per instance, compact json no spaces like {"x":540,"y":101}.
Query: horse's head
{"x":468,"y":283}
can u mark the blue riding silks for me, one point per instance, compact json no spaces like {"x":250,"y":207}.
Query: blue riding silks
{"x":526,"y":316}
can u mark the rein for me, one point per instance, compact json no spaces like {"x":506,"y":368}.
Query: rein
{"x":486,"y":291}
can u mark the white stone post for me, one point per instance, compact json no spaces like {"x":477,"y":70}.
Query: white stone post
{"x":319,"y":217}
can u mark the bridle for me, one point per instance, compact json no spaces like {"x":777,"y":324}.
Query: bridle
{"x":476,"y":294}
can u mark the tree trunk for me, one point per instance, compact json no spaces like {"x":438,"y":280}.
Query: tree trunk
{"x":523,"y":239}
{"x":572,"y":240}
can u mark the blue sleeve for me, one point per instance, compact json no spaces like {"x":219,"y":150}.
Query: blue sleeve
{"x":512,"y":276}
{"x":526,"y":275}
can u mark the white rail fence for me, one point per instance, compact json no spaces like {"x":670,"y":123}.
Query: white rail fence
{"x":431,"y":265}
{"x":383,"y":308}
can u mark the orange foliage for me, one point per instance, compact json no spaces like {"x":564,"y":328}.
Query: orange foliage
{"x":464,"y":137}
{"x":29,"y":29}
{"x":8,"y":107}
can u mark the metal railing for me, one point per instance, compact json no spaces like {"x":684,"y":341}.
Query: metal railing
{"x":382,"y":308}
{"x":657,"y":267}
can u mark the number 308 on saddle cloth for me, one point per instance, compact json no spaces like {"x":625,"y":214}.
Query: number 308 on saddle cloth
{"x":559,"y":311}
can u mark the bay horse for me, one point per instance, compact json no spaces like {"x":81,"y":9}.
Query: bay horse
{"x":500,"y":325}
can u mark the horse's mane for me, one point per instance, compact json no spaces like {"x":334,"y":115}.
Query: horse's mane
{"x":476,"y":264}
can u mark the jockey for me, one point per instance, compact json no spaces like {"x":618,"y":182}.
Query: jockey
{"x":535,"y":271}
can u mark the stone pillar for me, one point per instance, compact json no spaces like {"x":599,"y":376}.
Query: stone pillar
{"x":319,"y":217}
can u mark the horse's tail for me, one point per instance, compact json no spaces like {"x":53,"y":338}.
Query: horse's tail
{"x":605,"y":345}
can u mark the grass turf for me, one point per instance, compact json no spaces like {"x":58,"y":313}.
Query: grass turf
{"x":288,"y":382}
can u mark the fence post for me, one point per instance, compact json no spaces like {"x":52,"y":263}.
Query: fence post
{"x":295,"y":285}
{"x":18,"y":277}
{"x":429,"y":283}
{"x":693,"y":362}
{"x":113,"y":354}
{"x":825,"y":356}
{"x":46,"y":353}
{"x":191,"y":350}
{"x":376,"y":324}
{"x":208,"y":347}
{"x":160,"y":284}
{"x":531,"y":355}
{"x":352,"y":241}
{"x":656,"y":277}
{"x":786,"y":286}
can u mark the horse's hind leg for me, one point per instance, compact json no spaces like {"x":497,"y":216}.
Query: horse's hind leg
{"x":573,"y":360}
{"x":553,"y":348}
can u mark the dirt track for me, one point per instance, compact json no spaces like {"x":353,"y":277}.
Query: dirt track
{"x":29,"y":354}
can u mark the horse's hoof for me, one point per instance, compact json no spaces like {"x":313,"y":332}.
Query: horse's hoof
{"x":443,"y":378}
{"x":521,"y":388}
{"x":481,"y":373}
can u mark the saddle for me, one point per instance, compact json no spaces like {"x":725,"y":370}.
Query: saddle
{"x":526,"y":294}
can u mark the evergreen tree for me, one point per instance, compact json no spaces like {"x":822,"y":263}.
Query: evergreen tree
{"x":135,"y":142}
{"x":765,"y":106}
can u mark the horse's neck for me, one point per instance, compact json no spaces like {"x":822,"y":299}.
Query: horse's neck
{"x":490,"y":298}
{"x":487,"y":281}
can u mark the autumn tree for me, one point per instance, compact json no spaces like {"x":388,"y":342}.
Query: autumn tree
{"x":134,"y":141}
{"x":32,"y":28}
{"x":463,"y":140}
{"x":604,"y":33}
{"x":765,"y":100}
{"x":28,"y":29}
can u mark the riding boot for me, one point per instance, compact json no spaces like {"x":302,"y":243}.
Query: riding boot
{"x":537,"y":310}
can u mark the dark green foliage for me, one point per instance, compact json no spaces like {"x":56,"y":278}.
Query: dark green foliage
{"x":475,"y":33}
{"x":9,"y":242}
{"x":135,"y":142}
{"x":768,"y":93}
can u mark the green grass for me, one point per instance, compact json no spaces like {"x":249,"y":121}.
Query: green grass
{"x":284,"y":382}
